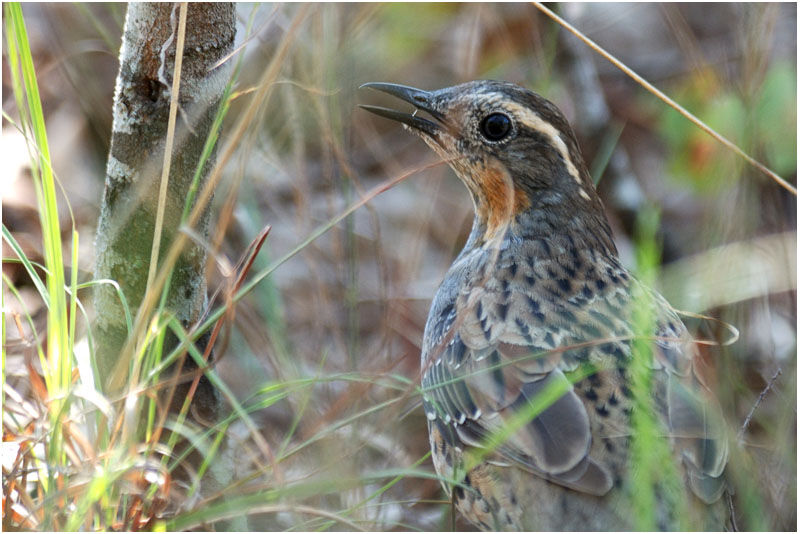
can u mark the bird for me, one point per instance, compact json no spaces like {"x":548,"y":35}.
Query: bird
{"x":528,"y":368}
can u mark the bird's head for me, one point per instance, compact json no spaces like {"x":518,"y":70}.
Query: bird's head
{"x":512,"y":148}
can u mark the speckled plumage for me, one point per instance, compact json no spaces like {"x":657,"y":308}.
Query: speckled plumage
{"x":538,"y":305}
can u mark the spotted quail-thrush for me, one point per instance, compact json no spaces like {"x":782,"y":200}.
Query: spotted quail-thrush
{"x":526,"y":357}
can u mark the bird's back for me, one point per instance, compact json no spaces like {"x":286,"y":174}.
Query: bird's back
{"x":513,"y":326}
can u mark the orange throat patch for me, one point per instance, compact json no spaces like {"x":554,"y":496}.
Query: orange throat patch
{"x":499,"y":201}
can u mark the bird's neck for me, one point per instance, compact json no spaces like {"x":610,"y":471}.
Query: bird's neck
{"x":565,"y":228}
{"x":529,"y":206}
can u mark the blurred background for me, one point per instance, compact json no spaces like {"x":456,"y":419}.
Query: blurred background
{"x":348,"y":310}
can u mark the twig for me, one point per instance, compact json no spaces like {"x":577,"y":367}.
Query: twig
{"x":729,"y":498}
{"x":760,"y":398}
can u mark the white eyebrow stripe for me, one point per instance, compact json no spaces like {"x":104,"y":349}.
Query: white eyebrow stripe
{"x":533,"y":121}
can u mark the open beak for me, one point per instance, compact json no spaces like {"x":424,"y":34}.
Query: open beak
{"x":422,"y":100}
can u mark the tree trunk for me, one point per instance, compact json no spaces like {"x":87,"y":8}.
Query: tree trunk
{"x":130,"y":200}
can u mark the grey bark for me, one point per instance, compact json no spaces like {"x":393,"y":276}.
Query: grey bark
{"x":141,"y":109}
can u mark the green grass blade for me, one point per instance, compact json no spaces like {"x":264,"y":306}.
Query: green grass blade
{"x":59,"y":360}
{"x":73,"y":292}
{"x":40,"y":286}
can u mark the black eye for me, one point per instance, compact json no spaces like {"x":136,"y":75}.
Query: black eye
{"x":495,"y":126}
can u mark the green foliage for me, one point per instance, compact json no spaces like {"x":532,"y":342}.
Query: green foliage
{"x":776,"y":118}
{"x":409,"y":32}
{"x":764,"y":123}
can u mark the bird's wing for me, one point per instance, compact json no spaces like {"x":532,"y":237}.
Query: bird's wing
{"x":499,"y":375}
{"x":693,"y":415}
{"x":696,"y":424}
